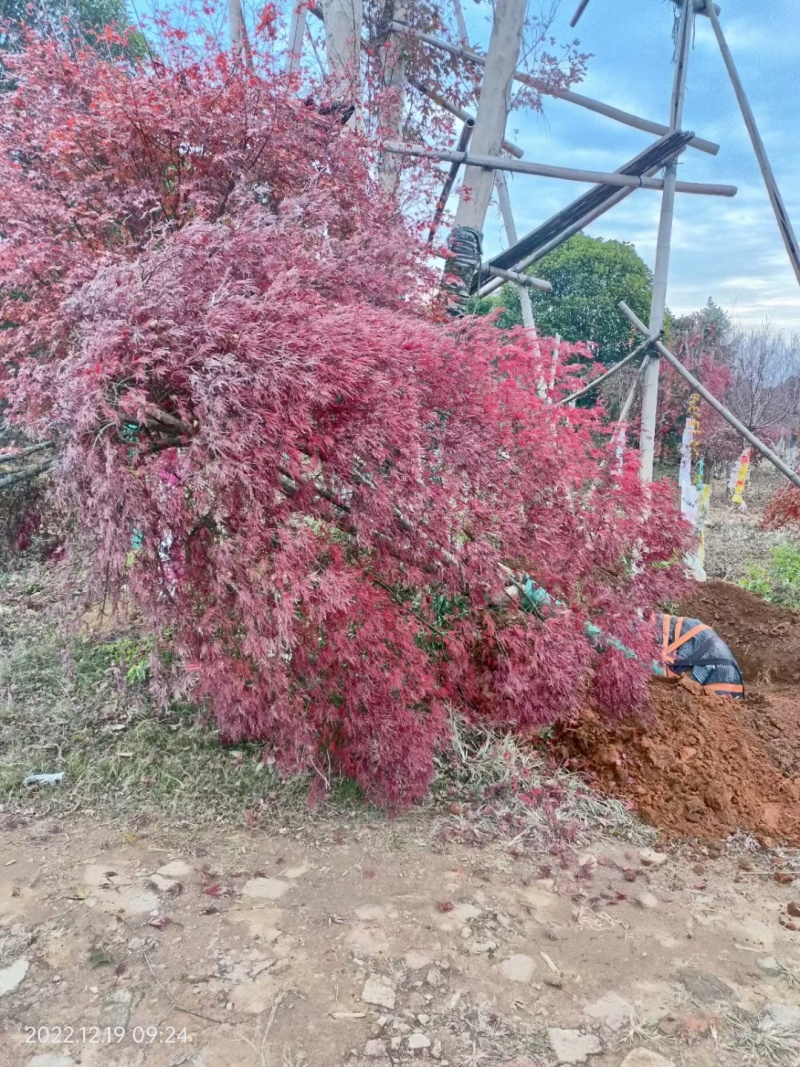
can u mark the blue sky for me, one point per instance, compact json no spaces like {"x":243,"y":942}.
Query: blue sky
{"x":728,"y":249}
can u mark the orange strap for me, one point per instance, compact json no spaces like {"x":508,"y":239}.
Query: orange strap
{"x":724,"y":687}
{"x":681,"y":640}
{"x":666,"y":636}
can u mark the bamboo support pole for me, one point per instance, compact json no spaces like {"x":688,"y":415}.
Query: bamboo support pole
{"x":778,"y":207}
{"x":576,"y":227}
{"x":546,"y":170}
{"x":709,"y":398}
{"x":626,"y":407}
{"x":441,"y":203}
{"x":458,"y":112}
{"x":579,"y":99}
{"x":658,"y":301}
{"x":463,"y":36}
{"x":631,"y":356}
{"x":524,"y":280}
{"x":509,"y":225}
{"x":521,"y":280}
{"x":492,"y":111}
{"x":573,"y":22}
{"x":297,"y":32}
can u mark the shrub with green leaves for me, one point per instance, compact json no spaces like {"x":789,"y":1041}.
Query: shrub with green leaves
{"x":779,"y":580}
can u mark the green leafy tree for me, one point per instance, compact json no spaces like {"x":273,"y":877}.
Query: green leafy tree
{"x":589,"y":276}
{"x":71,"y":21}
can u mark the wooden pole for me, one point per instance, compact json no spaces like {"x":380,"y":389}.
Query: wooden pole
{"x":463,"y":36}
{"x":492,"y":110}
{"x":626,"y":407}
{"x":458,"y":112}
{"x":631,"y":356}
{"x":573,"y":22}
{"x":709,"y":398}
{"x":475,"y":161}
{"x":240,"y":42}
{"x":579,"y":99}
{"x":343,"y":19}
{"x":576,"y":227}
{"x":511,"y":233}
{"x":658,"y":302}
{"x":441,"y":203}
{"x":779,"y":208}
{"x":526,"y":307}
{"x":297,"y":32}
{"x":525,"y":280}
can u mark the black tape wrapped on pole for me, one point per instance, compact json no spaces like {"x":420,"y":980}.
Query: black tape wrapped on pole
{"x":463,"y":263}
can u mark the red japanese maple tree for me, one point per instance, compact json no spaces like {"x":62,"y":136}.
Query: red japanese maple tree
{"x":308,"y":481}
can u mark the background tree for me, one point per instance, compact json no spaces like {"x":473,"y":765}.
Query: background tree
{"x":764,"y":390}
{"x":702,"y":340}
{"x":73,"y":22}
{"x":590,"y":275}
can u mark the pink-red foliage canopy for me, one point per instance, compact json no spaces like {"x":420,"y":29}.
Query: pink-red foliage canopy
{"x":305,"y":478}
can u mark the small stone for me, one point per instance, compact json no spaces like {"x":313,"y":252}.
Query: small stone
{"x":51,"y":1059}
{"x":423,"y":1019}
{"x":434,"y":977}
{"x":572,"y":1046}
{"x":651,"y":858}
{"x":647,"y":901}
{"x":162,"y":884}
{"x":416,"y":961}
{"x":780,"y":1017}
{"x":642,"y":1057}
{"x":793,"y":908}
{"x":379,"y":991}
{"x":11,"y":977}
{"x":518,"y":968}
{"x":97,"y":875}
{"x":297,"y":872}
{"x":395,"y":1043}
{"x":783,"y":877}
{"x":436,"y":1049}
{"x":769,"y":965}
{"x":141,"y":903}
{"x":264,"y":889}
{"x":175,"y":869}
{"x":118,"y":1008}
{"x":417,"y":1041}
{"x":375,"y":1048}
{"x":612,"y":1010}
{"x":704,"y":987}
{"x":478,"y":948}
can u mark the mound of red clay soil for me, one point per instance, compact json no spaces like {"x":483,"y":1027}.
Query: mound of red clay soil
{"x":764,"y":638}
{"x":702,"y":766}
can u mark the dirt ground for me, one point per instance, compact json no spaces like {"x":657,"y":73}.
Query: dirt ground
{"x":173,"y":904}
{"x":704,"y":767}
{"x":377,"y":945}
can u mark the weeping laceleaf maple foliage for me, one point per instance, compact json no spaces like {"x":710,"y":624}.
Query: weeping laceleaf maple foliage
{"x":309,"y":484}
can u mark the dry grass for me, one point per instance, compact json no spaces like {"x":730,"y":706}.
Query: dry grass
{"x":749,"y":1036}
{"x":80,"y":704}
{"x":508,"y":790}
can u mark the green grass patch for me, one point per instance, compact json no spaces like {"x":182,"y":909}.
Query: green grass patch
{"x":777,"y":580}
